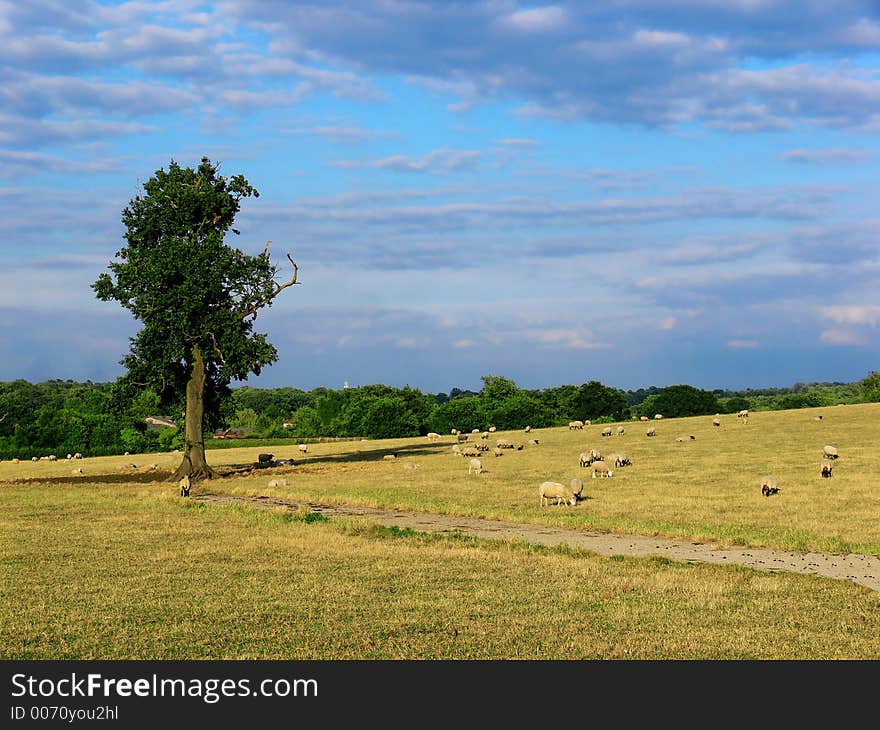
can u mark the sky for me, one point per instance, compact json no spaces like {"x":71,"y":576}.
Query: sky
{"x":640,"y":192}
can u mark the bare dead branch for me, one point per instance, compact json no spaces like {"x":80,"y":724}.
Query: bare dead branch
{"x":217,"y":348}
{"x":257,"y":306}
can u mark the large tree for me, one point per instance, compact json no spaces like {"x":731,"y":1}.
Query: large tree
{"x":196,"y":296}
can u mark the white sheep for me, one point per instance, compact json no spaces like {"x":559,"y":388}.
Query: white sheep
{"x":303,"y":448}
{"x":491,"y":429}
{"x":602,"y":469}
{"x":77,"y":455}
{"x":470,"y":451}
{"x":557,"y":491}
{"x":620,"y":430}
{"x":475,"y":430}
{"x":606,"y":431}
{"x":498,"y":451}
{"x":456,"y":449}
{"x":389,"y":457}
{"x":585,"y":459}
{"x":484,"y":435}
{"x":575,"y":425}
{"x":280,"y":482}
{"x":433,"y":436}
{"x":658,"y":416}
{"x":475,"y":466}
{"x":503,"y":444}
{"x":185,"y":484}
{"x":830,"y":452}
{"x":528,"y":429}
{"x":78,"y":470}
{"x":651,"y":432}
{"x":16,"y":460}
{"x":643,"y":418}
{"x":618,"y":459}
{"x":716,"y":421}
{"x":577,"y":487}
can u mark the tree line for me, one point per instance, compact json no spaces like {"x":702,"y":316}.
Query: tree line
{"x":63,"y":416}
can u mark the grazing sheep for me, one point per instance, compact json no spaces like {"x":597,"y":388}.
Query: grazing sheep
{"x":830,"y":452}
{"x":534,"y":442}
{"x":277,"y":482}
{"x":484,"y":435}
{"x":470,"y":451}
{"x":77,"y":455}
{"x":475,"y":466}
{"x":491,"y":429}
{"x":389,"y":457}
{"x":152,"y":467}
{"x":643,"y":418}
{"x":454,"y":432}
{"x":498,"y":451}
{"x":554,"y":490}
{"x":475,"y":430}
{"x":303,"y":448}
{"x":461,"y":437}
{"x":826,"y":468}
{"x":692,"y":437}
{"x":456,"y":449}
{"x":34,"y":458}
{"x":577,"y":487}
{"x":78,"y":470}
{"x":602,"y":469}
{"x":679,"y":440}
{"x":69,"y":457}
{"x":716,"y":421}
{"x":620,"y":430}
{"x":658,"y":416}
{"x":818,"y":418}
{"x":433,"y":436}
{"x":15,"y":461}
{"x":575,"y":425}
{"x":520,"y":447}
{"x":184,"y":485}
{"x":606,"y":431}
{"x":528,"y":429}
{"x":743,"y":415}
{"x":412,"y":465}
{"x":618,"y":459}
{"x":503,"y":444}
{"x":52,"y":457}
{"x":651,"y":432}
{"x":769,"y":485}
{"x":481,"y":447}
{"x":595,"y":455}
{"x":265,"y":458}
{"x":585,"y":459}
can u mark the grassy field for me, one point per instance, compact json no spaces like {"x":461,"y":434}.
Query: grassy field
{"x":114,"y":564}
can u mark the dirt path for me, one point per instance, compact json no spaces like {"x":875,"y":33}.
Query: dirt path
{"x":861,"y":569}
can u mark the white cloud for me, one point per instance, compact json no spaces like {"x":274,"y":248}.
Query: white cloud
{"x":742,"y":344}
{"x":858,"y":314}
{"x":842,"y":337}
{"x":537,"y":20}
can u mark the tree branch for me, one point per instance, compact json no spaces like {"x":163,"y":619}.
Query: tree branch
{"x":257,"y":306}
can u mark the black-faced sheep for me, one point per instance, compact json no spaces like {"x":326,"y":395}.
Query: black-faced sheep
{"x":769,"y":485}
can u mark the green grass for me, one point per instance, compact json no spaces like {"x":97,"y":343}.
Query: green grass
{"x":135,"y":572}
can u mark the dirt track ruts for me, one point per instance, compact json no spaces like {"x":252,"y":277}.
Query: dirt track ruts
{"x":861,"y":569}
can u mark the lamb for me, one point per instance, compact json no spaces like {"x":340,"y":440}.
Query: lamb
{"x":769,"y":485}
{"x":588,"y":422}
{"x":303,"y":448}
{"x":620,"y":430}
{"x":280,"y":482}
{"x":577,"y":487}
{"x":69,"y":457}
{"x":534,"y":442}
{"x":651,"y":432}
{"x":602,"y":469}
{"x":185,"y":484}
{"x":575,"y":425}
{"x":830,"y":452}
{"x":557,"y":491}
{"x":825,"y":468}
{"x":475,"y":466}
{"x":606,"y":431}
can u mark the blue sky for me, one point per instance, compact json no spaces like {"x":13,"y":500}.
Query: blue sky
{"x":641,"y":192}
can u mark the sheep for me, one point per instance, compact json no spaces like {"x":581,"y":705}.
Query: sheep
{"x":389,"y":457}
{"x":77,"y":455}
{"x":643,"y":418}
{"x":481,"y":447}
{"x":769,"y":485}
{"x":456,"y":449}
{"x":618,"y":459}
{"x":503,"y":444}
{"x":595,"y":455}
{"x":69,"y":457}
{"x":265,"y":458}
{"x":658,"y":416}
{"x":620,"y":430}
{"x":829,"y":452}
{"x":34,"y":458}
{"x":454,"y":432}
{"x":475,"y":430}
{"x":412,"y":465}
{"x":16,"y":461}
{"x":519,"y":447}
{"x":78,"y":470}
{"x":534,"y":442}
{"x":433,"y":436}
{"x":528,"y":429}
{"x":498,"y":451}
{"x":575,"y":425}
{"x":577,"y":487}
{"x":52,"y":457}
{"x":491,"y":429}
{"x":185,"y":484}
{"x":651,"y":432}
{"x":716,"y":421}
{"x":280,"y":482}
{"x":743,"y":415}
{"x":557,"y":491}
{"x":475,"y":466}
{"x":602,"y":469}
{"x":680,"y":440}
{"x":461,"y":437}
{"x":585,"y":459}
{"x":606,"y":431}
{"x":484,"y":435}
{"x":588,"y":422}
{"x":303,"y":448}
{"x":470,"y":451}
{"x":826,"y":468}
{"x":152,"y":467}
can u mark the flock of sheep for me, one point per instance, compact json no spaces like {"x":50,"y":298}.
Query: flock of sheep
{"x":603,"y":466}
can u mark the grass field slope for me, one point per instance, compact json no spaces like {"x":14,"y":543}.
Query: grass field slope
{"x":113,"y":563}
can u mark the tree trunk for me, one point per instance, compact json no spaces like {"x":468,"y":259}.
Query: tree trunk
{"x":194,"y":463}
